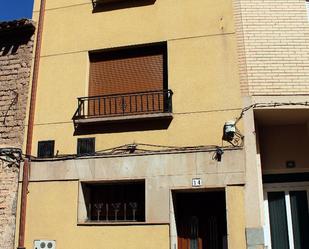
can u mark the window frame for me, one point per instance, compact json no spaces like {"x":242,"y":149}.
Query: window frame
{"x":50,"y":142}
{"x":130,"y":52}
{"x":286,"y":188}
{"x":78,"y":149}
{"x":87,"y":199}
{"x":124,"y":94}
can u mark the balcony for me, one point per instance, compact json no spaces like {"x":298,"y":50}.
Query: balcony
{"x":124,"y":107}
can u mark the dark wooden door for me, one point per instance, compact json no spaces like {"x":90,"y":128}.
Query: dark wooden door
{"x":201,"y":220}
{"x":189,"y":234}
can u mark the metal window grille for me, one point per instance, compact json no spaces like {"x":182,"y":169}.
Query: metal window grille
{"x":46,"y":149}
{"x":117,"y":201}
{"x":85,"y":146}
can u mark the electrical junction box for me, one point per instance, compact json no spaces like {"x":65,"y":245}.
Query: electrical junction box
{"x":44,"y":244}
{"x":229,"y":130}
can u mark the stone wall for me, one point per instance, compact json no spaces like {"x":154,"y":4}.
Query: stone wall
{"x":16,"y":47}
{"x":15,"y":69}
{"x":8,"y":193}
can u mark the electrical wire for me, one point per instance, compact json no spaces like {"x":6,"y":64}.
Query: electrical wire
{"x":238,"y":138}
{"x":12,"y":156}
{"x":134,"y":148}
{"x":127,"y":150}
{"x":267,"y":105}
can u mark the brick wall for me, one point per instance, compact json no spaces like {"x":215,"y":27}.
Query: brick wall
{"x":8,"y":193}
{"x":273,"y":46}
{"x":15,"y":68}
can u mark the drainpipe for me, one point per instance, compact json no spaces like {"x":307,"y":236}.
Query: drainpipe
{"x":26,"y":166}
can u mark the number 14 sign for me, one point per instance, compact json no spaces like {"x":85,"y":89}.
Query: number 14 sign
{"x":196,"y":182}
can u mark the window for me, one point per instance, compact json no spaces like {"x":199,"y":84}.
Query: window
{"x":129,"y":70}
{"x":132,"y":80}
{"x":126,"y":84}
{"x":85,"y":146}
{"x":46,"y":149}
{"x":286,"y":215}
{"x":116,"y":201}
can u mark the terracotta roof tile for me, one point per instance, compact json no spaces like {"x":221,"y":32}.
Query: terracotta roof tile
{"x":16,"y":25}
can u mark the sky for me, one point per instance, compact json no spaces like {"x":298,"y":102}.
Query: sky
{"x":15,"y":9}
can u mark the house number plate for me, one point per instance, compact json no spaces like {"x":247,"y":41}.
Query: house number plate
{"x":196,"y":182}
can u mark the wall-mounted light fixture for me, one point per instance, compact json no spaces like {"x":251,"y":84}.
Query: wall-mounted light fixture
{"x":290,"y":164}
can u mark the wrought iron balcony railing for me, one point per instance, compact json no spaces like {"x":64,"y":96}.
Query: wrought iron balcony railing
{"x":152,"y":102}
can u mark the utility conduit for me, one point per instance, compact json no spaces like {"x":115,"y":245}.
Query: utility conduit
{"x":25,"y":181}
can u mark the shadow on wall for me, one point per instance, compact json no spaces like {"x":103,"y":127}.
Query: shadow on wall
{"x":109,"y":5}
{"x":280,"y":144}
{"x":86,"y":129}
{"x":9,"y":43}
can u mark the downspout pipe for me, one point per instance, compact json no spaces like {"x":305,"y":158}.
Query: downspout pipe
{"x":26,"y":165}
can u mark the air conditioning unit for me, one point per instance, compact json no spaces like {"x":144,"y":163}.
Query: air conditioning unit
{"x":44,"y":244}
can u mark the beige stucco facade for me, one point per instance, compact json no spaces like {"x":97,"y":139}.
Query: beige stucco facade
{"x":59,"y":222}
{"x":203,"y":75}
{"x":61,"y":211}
{"x":201,"y":65}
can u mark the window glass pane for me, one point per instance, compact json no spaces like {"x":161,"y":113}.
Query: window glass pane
{"x":300,"y":219}
{"x":278,"y":220}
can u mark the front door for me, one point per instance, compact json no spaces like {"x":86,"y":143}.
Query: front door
{"x":286,"y":215}
{"x":201,"y":220}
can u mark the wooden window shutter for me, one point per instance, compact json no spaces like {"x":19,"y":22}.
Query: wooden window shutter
{"x":127,"y":71}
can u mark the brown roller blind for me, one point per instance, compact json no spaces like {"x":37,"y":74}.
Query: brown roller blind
{"x":126,"y":71}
